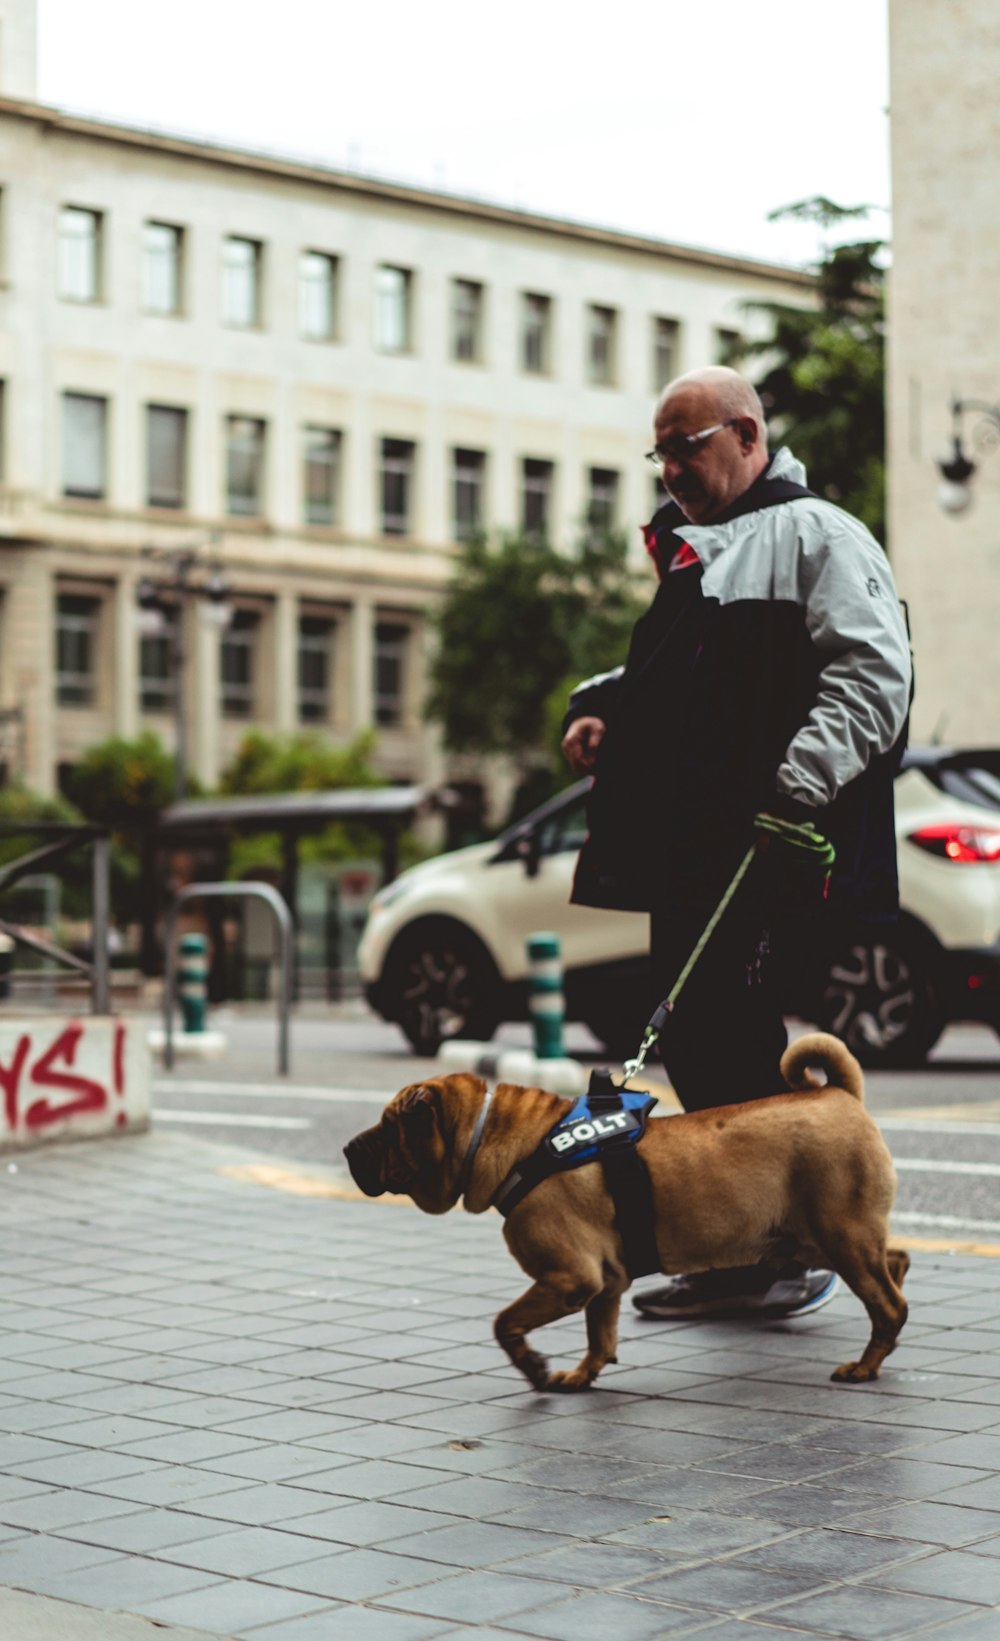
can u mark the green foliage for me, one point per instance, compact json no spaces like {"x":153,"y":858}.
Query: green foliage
{"x":19,"y":806}
{"x":123,"y":784}
{"x":299,"y":763}
{"x":822,"y":370}
{"x":518,"y":618}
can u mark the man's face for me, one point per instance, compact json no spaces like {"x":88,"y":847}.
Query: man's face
{"x":709,"y":477}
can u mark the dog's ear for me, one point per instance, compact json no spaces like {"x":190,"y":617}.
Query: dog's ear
{"x":419,"y":1109}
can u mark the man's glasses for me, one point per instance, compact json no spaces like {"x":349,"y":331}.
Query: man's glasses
{"x":680,"y":447}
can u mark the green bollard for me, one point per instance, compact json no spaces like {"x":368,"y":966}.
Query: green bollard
{"x":545,"y":999}
{"x":193,"y":981}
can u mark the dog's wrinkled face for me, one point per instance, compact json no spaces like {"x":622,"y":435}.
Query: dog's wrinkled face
{"x":412,"y":1149}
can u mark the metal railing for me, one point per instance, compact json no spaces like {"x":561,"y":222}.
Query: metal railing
{"x":67,"y":838}
{"x":283,"y":925}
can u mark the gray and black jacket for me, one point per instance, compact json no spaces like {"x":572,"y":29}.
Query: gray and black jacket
{"x":773,"y":673}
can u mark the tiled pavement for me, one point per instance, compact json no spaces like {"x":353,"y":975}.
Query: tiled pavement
{"x":247,"y":1412}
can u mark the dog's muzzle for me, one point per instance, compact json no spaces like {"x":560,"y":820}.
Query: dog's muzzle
{"x":366,"y":1161}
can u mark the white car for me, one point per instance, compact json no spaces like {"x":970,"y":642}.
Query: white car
{"x":443,"y":951}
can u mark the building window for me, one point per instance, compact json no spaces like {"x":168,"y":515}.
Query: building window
{"x":468,"y":492}
{"x":536,"y":334}
{"x":244,"y":466}
{"x":241,"y":282}
{"x":391,"y":641}
{"x":316,"y":635}
{"x":317,"y":296}
{"x":156,"y":667}
{"x":80,"y":245}
{"x":602,"y":500}
{"x":85,"y":438}
{"x":166,"y":456}
{"x":727,"y":345}
{"x":322,"y":475}
{"x":398,"y":457}
{"x":393,"y":309}
{"x":237,"y":655}
{"x":536,"y":496}
{"x":665,"y":355}
{"x":162,"y":261}
{"x":466,"y":320}
{"x":602,"y":324}
{"x":77,"y":634}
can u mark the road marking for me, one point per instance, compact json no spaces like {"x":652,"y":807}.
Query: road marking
{"x":943,"y":1222}
{"x":971,"y":1111}
{"x":230,"y":1119}
{"x":935,"y":1165}
{"x":304,"y":1185}
{"x":272,"y":1091}
{"x":905,"y":1125}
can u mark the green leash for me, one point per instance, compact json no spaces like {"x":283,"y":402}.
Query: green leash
{"x":803,"y":836}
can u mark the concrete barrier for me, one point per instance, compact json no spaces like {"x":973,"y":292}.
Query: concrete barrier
{"x":66,"y":1078}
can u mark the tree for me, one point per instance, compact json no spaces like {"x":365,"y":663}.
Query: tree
{"x":517,"y":619}
{"x":822,"y":378}
{"x":299,"y":763}
{"x":125,"y":784}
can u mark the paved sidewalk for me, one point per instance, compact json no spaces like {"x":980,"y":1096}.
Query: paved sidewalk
{"x":242,"y":1411}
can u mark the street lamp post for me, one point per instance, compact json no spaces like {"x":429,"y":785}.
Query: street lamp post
{"x":954,"y":494}
{"x":162,"y":604}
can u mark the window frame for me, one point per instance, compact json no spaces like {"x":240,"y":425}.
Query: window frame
{"x":318,"y":643}
{"x":231,"y":273}
{"x":536,"y":326}
{"x":233,"y":453}
{"x":405,"y":454}
{"x":463,"y":530}
{"x":602,"y":345}
{"x":308,"y":285}
{"x":84,"y":626}
{"x":85,"y":492}
{"x":175,"y":263}
{"x":544,"y":470}
{"x":241,"y":638}
{"x":181,"y":414}
{"x":67,"y":244}
{"x":393,"y":331}
{"x":313,"y":431}
{"x":392,"y":651}
{"x":467,"y":321}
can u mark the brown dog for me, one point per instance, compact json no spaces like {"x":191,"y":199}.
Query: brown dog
{"x":802,"y":1177}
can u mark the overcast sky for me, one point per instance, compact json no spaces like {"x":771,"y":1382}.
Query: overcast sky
{"x":682,"y":120}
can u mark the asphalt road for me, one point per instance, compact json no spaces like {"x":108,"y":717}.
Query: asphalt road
{"x":942,"y":1123}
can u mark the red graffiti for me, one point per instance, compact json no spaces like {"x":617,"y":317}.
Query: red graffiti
{"x":51,"y":1067}
{"x":10,"y":1080}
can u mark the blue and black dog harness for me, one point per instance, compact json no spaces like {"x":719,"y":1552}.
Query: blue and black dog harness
{"x":605,"y":1126}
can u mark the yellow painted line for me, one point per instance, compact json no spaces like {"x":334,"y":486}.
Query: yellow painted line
{"x":948,"y":1245}
{"x":302,"y":1185}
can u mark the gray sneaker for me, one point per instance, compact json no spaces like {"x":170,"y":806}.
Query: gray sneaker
{"x":733,"y":1293}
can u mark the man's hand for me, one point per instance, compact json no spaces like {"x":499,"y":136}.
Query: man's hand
{"x":580,"y":744}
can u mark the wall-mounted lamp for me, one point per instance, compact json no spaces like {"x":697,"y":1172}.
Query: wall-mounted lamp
{"x":954,"y":493}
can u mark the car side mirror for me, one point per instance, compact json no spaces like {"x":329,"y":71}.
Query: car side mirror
{"x":529,"y":848}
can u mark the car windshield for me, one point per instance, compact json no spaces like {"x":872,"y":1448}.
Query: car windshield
{"x":977,"y":783}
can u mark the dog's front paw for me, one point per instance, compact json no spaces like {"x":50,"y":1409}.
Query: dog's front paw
{"x":853,"y":1373}
{"x":578,"y":1378}
{"x":535,"y":1367}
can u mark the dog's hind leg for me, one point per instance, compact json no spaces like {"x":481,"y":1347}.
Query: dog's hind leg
{"x":873,"y":1277}
{"x":545,"y":1301}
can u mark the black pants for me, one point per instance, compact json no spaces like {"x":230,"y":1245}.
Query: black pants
{"x":724,"y":1041}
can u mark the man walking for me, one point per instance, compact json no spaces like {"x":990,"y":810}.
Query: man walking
{"x":771,"y":673}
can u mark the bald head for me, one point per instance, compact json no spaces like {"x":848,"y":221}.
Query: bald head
{"x":721,"y":390}
{"x":712,"y":440}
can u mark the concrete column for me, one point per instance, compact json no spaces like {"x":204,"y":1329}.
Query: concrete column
{"x":30,"y":626}
{"x":362,"y":669}
{"x":286,"y":637}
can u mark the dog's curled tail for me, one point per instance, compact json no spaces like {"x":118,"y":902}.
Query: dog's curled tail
{"x":820,"y":1049}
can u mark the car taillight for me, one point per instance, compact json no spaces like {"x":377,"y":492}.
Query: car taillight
{"x":959,"y":842}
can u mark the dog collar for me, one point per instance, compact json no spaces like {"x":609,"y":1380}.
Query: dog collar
{"x":477,"y":1134}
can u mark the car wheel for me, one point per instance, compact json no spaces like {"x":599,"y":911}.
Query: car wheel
{"x":879,"y":998}
{"x":440,"y":982}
